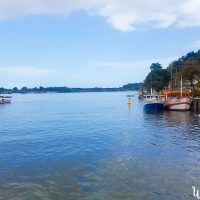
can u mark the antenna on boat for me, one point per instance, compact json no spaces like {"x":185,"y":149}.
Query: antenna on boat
{"x":171,"y":76}
{"x":175,"y":77}
{"x":181,"y":87}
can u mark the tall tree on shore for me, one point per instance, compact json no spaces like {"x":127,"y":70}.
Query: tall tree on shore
{"x":155,"y":66}
{"x":158,"y":78}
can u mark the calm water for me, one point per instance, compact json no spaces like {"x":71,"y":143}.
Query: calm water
{"x":91,"y":146}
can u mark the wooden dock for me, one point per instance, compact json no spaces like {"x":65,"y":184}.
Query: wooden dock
{"x":196,"y":100}
{"x":196,"y":104}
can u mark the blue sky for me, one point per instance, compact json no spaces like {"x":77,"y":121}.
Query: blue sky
{"x":82,"y":44}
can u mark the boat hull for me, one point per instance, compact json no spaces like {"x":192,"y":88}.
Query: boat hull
{"x":182,"y":104}
{"x":153,"y":106}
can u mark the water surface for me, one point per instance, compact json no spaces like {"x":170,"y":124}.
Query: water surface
{"x":92,"y":146}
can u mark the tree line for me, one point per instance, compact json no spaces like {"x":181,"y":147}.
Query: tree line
{"x":187,"y":67}
{"x":24,"y":90}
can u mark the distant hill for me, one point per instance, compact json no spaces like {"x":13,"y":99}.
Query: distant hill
{"x":24,"y":90}
{"x":187,"y":67}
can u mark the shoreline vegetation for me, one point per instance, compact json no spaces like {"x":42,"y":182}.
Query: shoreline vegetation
{"x":25,"y":90}
{"x":186,"y":67}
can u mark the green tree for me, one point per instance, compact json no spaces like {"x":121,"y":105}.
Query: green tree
{"x":158,"y":78}
{"x":15,"y":89}
{"x":24,"y":89}
{"x":191,"y":71}
{"x":155,"y":66}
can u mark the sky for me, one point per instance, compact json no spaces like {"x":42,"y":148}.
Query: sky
{"x":92,"y":43}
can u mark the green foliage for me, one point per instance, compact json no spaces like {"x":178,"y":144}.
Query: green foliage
{"x":155,"y":66}
{"x":15,"y":89}
{"x":158,"y":78}
{"x":177,"y":65}
{"x":198,"y":84}
{"x":130,"y":86}
{"x":187,"y":67}
{"x":2,"y":90}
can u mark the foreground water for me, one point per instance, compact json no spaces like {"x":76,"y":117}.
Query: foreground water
{"x":92,"y":146}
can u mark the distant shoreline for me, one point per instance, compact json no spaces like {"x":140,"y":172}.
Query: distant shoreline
{"x":36,"y":90}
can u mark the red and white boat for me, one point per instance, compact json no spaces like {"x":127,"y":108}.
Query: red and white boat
{"x":178,"y":103}
{"x":178,"y":100}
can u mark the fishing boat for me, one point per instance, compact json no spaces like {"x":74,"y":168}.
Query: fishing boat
{"x":5,"y":99}
{"x":141,"y":94}
{"x":153,"y":102}
{"x":177,"y":100}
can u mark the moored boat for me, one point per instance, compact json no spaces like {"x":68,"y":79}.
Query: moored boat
{"x":5,"y":99}
{"x":153,"y":102}
{"x":178,"y":100}
{"x":175,"y":100}
{"x":141,"y":94}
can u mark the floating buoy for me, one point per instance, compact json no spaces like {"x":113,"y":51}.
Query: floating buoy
{"x":129,"y":101}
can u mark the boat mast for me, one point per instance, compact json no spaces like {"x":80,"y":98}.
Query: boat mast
{"x":175,"y":77}
{"x":171,"y":77}
{"x":181,"y":87}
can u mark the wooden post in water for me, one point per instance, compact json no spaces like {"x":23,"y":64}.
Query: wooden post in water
{"x":181,"y":87}
{"x":196,"y":100}
{"x":196,"y":104}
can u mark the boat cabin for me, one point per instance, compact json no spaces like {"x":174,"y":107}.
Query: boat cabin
{"x":176,"y":94}
{"x":146,"y":97}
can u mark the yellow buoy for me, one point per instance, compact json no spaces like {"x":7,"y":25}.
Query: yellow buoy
{"x":129,"y":101}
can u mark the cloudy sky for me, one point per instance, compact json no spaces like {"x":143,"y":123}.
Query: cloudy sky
{"x":87,"y":43}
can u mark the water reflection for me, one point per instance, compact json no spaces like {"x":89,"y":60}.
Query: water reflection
{"x":73,"y":148}
{"x":120,"y":178}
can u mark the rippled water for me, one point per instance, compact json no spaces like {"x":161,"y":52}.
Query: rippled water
{"x":92,"y":146}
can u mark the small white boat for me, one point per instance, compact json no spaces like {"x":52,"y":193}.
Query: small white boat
{"x":5,"y":99}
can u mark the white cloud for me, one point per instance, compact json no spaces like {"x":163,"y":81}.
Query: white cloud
{"x":190,"y":11}
{"x":125,"y":15}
